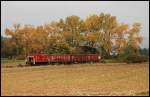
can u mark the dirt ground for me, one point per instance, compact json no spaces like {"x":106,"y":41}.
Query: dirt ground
{"x":77,"y":79}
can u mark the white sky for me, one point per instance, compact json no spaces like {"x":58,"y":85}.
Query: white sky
{"x":40,"y":12}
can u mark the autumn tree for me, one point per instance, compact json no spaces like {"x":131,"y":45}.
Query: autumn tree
{"x":102,"y":31}
{"x":102,"y":25}
{"x":16,"y":38}
{"x":119,"y":37}
{"x":72,"y":27}
{"x":134,"y":39}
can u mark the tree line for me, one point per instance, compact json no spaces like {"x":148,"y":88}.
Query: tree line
{"x":103,"y":32}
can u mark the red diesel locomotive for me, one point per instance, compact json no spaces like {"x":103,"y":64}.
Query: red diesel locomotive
{"x":63,"y":58}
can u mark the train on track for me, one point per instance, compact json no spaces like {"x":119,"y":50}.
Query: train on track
{"x":62,"y":58}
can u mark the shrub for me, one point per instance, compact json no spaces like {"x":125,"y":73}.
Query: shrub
{"x":136,"y":59}
{"x":103,"y":60}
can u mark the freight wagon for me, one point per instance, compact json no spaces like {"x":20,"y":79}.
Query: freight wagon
{"x":62,"y":58}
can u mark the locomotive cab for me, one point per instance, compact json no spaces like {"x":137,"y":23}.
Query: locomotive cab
{"x":37,"y":59}
{"x":29,"y":60}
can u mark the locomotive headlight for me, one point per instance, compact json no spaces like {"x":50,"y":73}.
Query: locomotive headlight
{"x":99,"y":57}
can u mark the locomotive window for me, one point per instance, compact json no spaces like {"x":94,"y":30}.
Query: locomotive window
{"x":30,"y":59}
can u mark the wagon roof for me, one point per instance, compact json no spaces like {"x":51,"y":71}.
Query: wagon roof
{"x":58,"y":54}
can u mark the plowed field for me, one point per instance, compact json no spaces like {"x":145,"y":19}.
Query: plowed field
{"x":77,"y":79}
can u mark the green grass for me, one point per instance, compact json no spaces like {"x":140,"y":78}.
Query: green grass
{"x":112,"y":61}
{"x":11,"y":62}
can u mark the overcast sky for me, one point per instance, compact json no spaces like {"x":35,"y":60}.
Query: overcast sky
{"x":40,"y":12}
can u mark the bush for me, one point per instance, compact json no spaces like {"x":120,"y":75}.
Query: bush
{"x":136,"y":59}
{"x":103,"y":61}
{"x":20,"y":57}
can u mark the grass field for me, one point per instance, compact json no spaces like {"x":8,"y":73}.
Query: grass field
{"x":77,"y":79}
{"x":11,"y":63}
